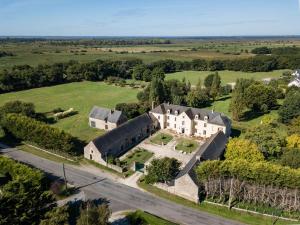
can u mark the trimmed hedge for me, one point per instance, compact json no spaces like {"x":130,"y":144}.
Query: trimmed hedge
{"x":263,"y":172}
{"x":45,"y":136}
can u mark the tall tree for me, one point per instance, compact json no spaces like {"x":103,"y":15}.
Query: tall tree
{"x":215,"y":86}
{"x":157,"y":91}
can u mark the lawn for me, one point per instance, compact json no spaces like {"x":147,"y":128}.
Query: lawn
{"x":135,"y":217}
{"x":138,"y":155}
{"x":226,"y":76}
{"x":186,"y":145}
{"x":161,"y":138}
{"x":81,"y":96}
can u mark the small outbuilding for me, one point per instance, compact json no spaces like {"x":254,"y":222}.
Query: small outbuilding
{"x":106,"y":119}
{"x":186,"y":184}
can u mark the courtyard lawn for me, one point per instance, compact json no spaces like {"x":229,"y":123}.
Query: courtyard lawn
{"x":139,"y":156}
{"x":186,"y":145}
{"x":81,"y":96}
{"x":226,"y":76}
{"x":161,"y":138}
{"x":135,"y":217}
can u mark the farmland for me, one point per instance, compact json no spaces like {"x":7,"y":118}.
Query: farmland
{"x":226,"y":76}
{"x":40,"y":52}
{"x":81,"y":96}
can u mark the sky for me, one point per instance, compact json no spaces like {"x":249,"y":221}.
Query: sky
{"x":149,"y":17}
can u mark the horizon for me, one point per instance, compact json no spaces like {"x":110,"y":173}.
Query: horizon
{"x":132,"y":18}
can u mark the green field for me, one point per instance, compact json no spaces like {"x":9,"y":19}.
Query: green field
{"x":226,"y":76}
{"x":186,"y":145}
{"x":81,"y":96}
{"x":161,"y":138}
{"x":139,"y":156}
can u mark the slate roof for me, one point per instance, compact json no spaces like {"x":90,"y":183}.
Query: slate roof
{"x":213,"y":117}
{"x":212,"y":149}
{"x":111,"y":142}
{"x":112,"y":116}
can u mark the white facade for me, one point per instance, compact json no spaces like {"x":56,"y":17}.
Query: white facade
{"x":296,"y":80}
{"x":101,"y":124}
{"x":181,"y":123}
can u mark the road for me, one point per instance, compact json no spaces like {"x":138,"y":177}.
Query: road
{"x":120,"y":196}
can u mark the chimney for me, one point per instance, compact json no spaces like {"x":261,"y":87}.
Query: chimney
{"x":212,"y":110}
{"x":112,"y":111}
{"x":198,"y":157}
{"x":152,"y":105}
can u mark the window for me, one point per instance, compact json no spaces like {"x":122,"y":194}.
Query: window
{"x":205,"y":124}
{"x":196,"y":117}
{"x":204,"y":132}
{"x":168,"y":111}
{"x":220,"y":129}
{"x":205,"y":118}
{"x":158,"y":117}
{"x":175,"y":118}
{"x":106,"y":127}
{"x":168,"y":117}
{"x":176,"y":112}
{"x":174,"y":125}
{"x":182,"y":117}
{"x":93,"y":124}
{"x":182,"y":122}
{"x":91,"y":157}
{"x":168,"y":124}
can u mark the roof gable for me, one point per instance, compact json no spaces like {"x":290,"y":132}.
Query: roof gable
{"x":112,"y":116}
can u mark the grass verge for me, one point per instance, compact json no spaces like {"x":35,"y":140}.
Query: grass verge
{"x":146,"y":218}
{"x":243,"y":217}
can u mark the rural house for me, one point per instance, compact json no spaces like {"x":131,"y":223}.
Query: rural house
{"x":119,"y":140}
{"x":106,"y":119}
{"x":296,"y":79}
{"x":186,"y":184}
{"x":191,"y":121}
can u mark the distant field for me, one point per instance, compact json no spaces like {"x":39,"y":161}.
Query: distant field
{"x":226,"y":76}
{"x":185,"y":50}
{"x":80,"y":96}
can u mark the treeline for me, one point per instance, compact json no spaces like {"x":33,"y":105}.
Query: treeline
{"x":25,"y":76}
{"x":45,"y":136}
{"x":4,"y":54}
{"x":89,"y":42}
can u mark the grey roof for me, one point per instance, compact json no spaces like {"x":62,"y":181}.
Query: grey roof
{"x":112,"y":116}
{"x":110,"y":142}
{"x":213,"y":117}
{"x":212,"y":149}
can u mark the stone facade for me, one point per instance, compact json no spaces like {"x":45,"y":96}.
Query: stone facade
{"x":191,"y":121}
{"x":185,"y":187}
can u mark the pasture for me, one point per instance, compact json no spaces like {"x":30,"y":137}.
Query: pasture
{"x":226,"y":76}
{"x":81,"y":96}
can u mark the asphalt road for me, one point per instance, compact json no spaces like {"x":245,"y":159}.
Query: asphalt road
{"x":120,"y":197}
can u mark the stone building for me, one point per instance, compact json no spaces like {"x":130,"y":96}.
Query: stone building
{"x":186,"y":184}
{"x":119,"y":140}
{"x":191,"y":121}
{"x":106,"y":119}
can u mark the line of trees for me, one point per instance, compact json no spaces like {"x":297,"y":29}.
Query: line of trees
{"x":45,"y":136}
{"x":25,"y":76}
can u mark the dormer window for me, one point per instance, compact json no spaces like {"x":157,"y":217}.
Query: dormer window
{"x":168,"y":111}
{"x":196,"y":117}
{"x":205,"y":118}
{"x":176,"y":113}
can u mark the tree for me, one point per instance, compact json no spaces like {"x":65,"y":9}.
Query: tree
{"x":238,"y":148}
{"x":138,"y":72}
{"x":260,"y":97}
{"x":290,"y":107}
{"x":209,"y":80}
{"x":157,"y":91}
{"x":293,"y":141}
{"x":198,"y":98}
{"x":158,"y":73}
{"x":291,"y":158}
{"x":238,"y":104}
{"x":162,"y":170}
{"x":267,"y":139}
{"x":215,"y":86}
{"x":261,"y":51}
{"x":294,"y":126}
{"x":24,"y":108}
{"x":92,"y":214}
{"x":57,"y":216}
